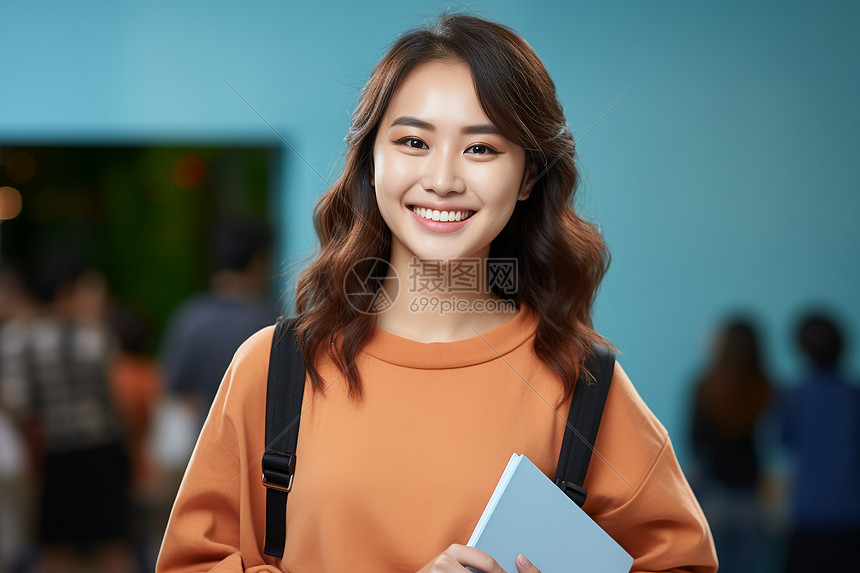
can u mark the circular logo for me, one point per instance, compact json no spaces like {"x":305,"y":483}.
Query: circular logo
{"x":362,"y":286}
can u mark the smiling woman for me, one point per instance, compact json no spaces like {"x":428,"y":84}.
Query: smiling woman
{"x":437,"y":152}
{"x":454,"y":209}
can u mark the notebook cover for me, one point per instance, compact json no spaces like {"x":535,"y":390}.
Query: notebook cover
{"x":529,"y":514}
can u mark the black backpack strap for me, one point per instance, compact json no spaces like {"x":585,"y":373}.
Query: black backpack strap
{"x":583,"y":420}
{"x":284,"y":391}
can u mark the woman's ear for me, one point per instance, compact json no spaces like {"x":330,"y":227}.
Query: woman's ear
{"x":529,"y":179}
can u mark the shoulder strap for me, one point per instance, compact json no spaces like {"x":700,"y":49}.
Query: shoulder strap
{"x":284,"y":392}
{"x":583,"y":420}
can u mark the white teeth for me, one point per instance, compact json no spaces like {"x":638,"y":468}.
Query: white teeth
{"x":444,"y":216}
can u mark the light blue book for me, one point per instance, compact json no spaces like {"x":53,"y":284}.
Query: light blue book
{"x":529,"y":514}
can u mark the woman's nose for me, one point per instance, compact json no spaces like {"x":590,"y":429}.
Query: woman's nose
{"x":442,"y":172}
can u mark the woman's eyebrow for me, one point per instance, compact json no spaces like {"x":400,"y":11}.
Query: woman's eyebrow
{"x":413,"y":122}
{"x":482,"y":129}
{"x":485,"y":129}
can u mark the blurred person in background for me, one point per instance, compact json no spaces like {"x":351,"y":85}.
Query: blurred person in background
{"x":204,"y":332}
{"x":730,"y":398}
{"x":137,"y":384}
{"x":13,"y":467}
{"x":16,"y":310}
{"x":821,"y":428}
{"x":199,"y":341}
{"x":16,"y":302}
{"x":55,"y":382}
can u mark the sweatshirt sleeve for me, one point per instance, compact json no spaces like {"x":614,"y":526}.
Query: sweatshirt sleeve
{"x":641,"y":496}
{"x":662,"y":524}
{"x":212,"y":526}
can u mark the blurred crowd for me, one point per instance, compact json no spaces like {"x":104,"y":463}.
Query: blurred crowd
{"x":96,"y":427}
{"x":777,"y":463}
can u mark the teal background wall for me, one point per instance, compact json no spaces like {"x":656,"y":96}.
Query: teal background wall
{"x":725,"y":177}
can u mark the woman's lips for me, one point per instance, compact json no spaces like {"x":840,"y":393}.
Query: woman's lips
{"x":440,"y":221}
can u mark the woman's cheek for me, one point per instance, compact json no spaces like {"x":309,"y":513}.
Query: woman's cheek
{"x":402,"y":167}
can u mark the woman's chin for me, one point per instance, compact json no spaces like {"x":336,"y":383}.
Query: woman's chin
{"x":443,"y":254}
{"x":443,"y":258}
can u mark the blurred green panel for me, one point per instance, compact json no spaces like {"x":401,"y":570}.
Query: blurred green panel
{"x":138,"y":213}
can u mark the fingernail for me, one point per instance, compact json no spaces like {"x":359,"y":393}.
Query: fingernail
{"x":524,"y":563}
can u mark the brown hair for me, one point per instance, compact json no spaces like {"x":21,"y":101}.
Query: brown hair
{"x":733,"y":393}
{"x":561,"y":258}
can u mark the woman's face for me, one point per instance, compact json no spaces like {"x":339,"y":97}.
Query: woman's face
{"x":446,"y":179}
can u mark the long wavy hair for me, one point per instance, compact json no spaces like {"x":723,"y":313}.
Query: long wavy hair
{"x":734,"y":391}
{"x":561,"y":258}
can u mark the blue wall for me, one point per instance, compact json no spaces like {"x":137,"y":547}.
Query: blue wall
{"x":724,"y":178}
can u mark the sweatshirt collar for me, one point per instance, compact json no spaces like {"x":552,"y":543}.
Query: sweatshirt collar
{"x":478,"y":349}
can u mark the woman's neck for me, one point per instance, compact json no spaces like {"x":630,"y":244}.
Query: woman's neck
{"x":444,"y":301}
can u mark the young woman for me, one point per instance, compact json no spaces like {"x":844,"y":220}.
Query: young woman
{"x":443,"y":324}
{"x":730,"y":399}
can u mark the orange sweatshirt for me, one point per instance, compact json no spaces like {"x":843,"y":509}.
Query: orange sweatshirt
{"x":388,"y":482}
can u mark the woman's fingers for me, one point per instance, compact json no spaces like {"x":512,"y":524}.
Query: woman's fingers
{"x":457,"y":557}
{"x":525,"y":566}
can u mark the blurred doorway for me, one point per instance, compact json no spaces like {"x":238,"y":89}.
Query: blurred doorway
{"x":138,"y":212}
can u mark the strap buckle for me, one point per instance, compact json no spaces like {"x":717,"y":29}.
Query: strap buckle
{"x":575,"y":492}
{"x":278,"y":470}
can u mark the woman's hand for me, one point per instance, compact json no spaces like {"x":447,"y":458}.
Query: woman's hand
{"x":457,"y":557}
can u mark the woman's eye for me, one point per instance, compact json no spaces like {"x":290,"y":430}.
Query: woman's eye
{"x":480,"y":149}
{"x":412,"y":142}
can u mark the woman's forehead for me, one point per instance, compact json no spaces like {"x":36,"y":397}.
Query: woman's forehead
{"x":437,"y":92}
